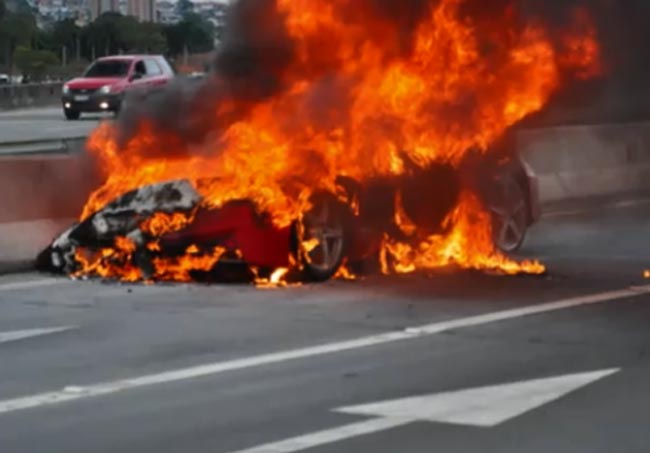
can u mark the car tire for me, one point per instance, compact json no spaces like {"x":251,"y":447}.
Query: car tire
{"x":71,"y":115}
{"x":120,"y":107}
{"x":370,"y":265}
{"x":325,"y":222}
{"x":508,"y":206}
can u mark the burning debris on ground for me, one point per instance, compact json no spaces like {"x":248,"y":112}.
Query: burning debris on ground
{"x":332,"y":133}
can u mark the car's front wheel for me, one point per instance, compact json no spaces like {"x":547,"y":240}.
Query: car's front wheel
{"x":509,"y":209}
{"x":321,"y":238}
{"x":71,"y":114}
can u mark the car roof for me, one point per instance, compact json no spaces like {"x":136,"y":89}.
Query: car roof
{"x":127,"y":57}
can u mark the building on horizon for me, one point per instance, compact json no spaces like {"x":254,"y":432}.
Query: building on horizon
{"x":99,"y":7}
{"x":166,"y":12}
{"x":143,"y":10}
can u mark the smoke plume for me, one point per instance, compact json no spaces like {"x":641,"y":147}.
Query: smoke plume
{"x":622,"y":92}
{"x":252,"y":62}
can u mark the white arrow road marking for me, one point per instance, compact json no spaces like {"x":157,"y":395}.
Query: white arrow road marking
{"x":329,"y":436}
{"x":411,"y":333}
{"x":16,"y":335}
{"x":482,"y":406}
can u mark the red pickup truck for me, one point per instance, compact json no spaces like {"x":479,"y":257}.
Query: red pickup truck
{"x":105,"y":82}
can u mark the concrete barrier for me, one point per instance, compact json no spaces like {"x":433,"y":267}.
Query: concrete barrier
{"x":584,"y":161}
{"x":50,"y":147}
{"x":30,"y":94}
{"x":41,"y":193}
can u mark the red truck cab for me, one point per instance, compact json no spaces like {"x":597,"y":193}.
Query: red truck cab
{"x":105,"y":82}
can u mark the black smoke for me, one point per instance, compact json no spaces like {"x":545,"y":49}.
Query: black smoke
{"x":622,"y":92}
{"x":257,"y":53}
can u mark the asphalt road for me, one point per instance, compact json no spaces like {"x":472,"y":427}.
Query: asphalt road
{"x":189,"y":368}
{"x":44,"y":123}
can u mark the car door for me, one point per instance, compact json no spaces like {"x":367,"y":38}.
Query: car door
{"x":138,"y":78}
{"x":155,"y":74}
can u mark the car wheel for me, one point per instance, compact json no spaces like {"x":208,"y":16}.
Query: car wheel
{"x":509,"y":208}
{"x":122,"y":105}
{"x":321,"y":239}
{"x":72,"y":114}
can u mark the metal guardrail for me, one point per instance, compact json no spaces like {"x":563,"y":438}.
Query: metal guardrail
{"x":58,"y":146}
{"x":30,"y":94}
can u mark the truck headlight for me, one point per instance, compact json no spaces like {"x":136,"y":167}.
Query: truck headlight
{"x":105,"y":89}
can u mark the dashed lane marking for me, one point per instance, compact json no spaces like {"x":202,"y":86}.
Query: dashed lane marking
{"x":16,"y":335}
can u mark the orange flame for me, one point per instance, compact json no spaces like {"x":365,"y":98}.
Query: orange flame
{"x":161,"y":222}
{"x":277,"y":279}
{"x":109,"y":262}
{"x":179,"y":269}
{"x":468,"y":245}
{"x":344,"y":273}
{"x":357,"y":99}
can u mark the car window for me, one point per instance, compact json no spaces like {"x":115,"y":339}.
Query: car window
{"x":152,"y":68}
{"x":167,"y":69}
{"x":140,"y":68}
{"x":110,"y":68}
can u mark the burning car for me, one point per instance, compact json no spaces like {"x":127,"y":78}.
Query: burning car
{"x":165,"y":231}
{"x":321,"y":145}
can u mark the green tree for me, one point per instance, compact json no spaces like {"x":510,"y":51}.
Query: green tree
{"x":151,"y":39}
{"x":34,"y":63}
{"x":184,"y":7}
{"x":101,"y":36}
{"x":194,"y":34}
{"x":66,"y":35}
{"x":144,"y":37}
{"x":16,"y":29}
{"x":63,"y":38}
{"x":19,"y":6}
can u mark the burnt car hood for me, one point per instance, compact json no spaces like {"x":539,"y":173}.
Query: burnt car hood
{"x":237,"y":227}
{"x":121,"y":217}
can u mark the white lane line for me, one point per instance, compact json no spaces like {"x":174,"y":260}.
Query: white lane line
{"x":329,"y":436}
{"x":211,"y":369}
{"x":16,"y":335}
{"x":9,"y":286}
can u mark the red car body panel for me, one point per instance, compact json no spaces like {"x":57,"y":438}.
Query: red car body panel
{"x":93,"y":83}
{"x":238,"y":228}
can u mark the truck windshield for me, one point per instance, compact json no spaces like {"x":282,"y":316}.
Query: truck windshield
{"x":113,"y":68}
